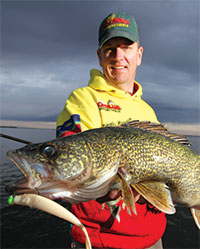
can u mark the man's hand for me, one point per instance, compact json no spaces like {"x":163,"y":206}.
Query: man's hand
{"x":116,"y":193}
{"x":110,"y":196}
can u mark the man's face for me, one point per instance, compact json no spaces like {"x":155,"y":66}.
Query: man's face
{"x":119,"y":58}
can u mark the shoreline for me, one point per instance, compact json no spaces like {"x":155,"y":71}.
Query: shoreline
{"x":27,"y":124}
{"x":184,"y":129}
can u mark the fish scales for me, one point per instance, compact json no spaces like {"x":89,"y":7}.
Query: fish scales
{"x":75,"y":155}
{"x":87,"y":165}
{"x":149,"y":156}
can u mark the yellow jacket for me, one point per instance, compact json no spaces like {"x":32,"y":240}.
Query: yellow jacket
{"x":100,"y":104}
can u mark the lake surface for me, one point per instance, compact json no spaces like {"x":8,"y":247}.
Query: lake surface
{"x":23,"y":227}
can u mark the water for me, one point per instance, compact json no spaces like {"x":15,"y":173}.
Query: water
{"x":23,"y":227}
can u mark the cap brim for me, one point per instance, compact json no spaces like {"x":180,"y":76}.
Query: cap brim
{"x":105,"y":38}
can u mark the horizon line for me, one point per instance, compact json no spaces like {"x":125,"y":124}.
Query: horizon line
{"x":183,"y":128}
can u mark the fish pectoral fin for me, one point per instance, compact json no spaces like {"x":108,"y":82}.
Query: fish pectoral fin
{"x":127,"y":195}
{"x":196,"y":215}
{"x":158,"y":194}
{"x":97,"y":187}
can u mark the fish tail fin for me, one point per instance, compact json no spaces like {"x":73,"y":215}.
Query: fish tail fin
{"x":196,"y":215}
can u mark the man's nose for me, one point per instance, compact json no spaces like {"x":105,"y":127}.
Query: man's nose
{"x":118,"y":53}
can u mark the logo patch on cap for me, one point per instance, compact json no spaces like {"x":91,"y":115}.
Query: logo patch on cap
{"x":113,"y":21}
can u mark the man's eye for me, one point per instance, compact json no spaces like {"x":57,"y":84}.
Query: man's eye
{"x":125,"y":48}
{"x":108,"y":49}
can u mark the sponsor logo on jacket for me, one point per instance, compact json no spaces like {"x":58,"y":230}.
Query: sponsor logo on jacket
{"x":110,"y":106}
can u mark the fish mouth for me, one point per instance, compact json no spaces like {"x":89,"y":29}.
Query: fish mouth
{"x":19,"y":188}
{"x":33,"y":172}
{"x":18,"y":160}
{"x":46,"y":189}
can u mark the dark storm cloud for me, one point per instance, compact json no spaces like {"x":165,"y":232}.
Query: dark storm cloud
{"x":48,"y":48}
{"x":171,"y":37}
{"x":43,"y":28}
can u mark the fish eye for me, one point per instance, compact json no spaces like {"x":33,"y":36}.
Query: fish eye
{"x":49,"y":150}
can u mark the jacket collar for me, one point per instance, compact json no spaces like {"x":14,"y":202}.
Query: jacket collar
{"x":99,"y":83}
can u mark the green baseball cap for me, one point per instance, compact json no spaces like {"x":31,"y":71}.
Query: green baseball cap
{"x":118,"y":25}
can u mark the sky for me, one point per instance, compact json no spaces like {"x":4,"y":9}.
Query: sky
{"x":49,"y":47}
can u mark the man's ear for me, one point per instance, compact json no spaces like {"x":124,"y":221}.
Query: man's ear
{"x":99,"y":56}
{"x":140,"y":53}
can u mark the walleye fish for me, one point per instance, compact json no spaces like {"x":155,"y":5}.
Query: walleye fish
{"x":147,"y":157}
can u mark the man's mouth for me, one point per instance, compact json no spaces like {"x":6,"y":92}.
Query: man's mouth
{"x":118,"y":67}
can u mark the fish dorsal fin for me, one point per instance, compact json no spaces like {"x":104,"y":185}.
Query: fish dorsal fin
{"x":158,"y":194}
{"x":196,"y":215}
{"x":157,"y":128}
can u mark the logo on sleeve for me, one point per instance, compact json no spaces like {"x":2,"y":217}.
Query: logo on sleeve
{"x":69,"y":127}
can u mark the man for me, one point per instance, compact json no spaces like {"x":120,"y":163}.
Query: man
{"x":111,"y":98}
